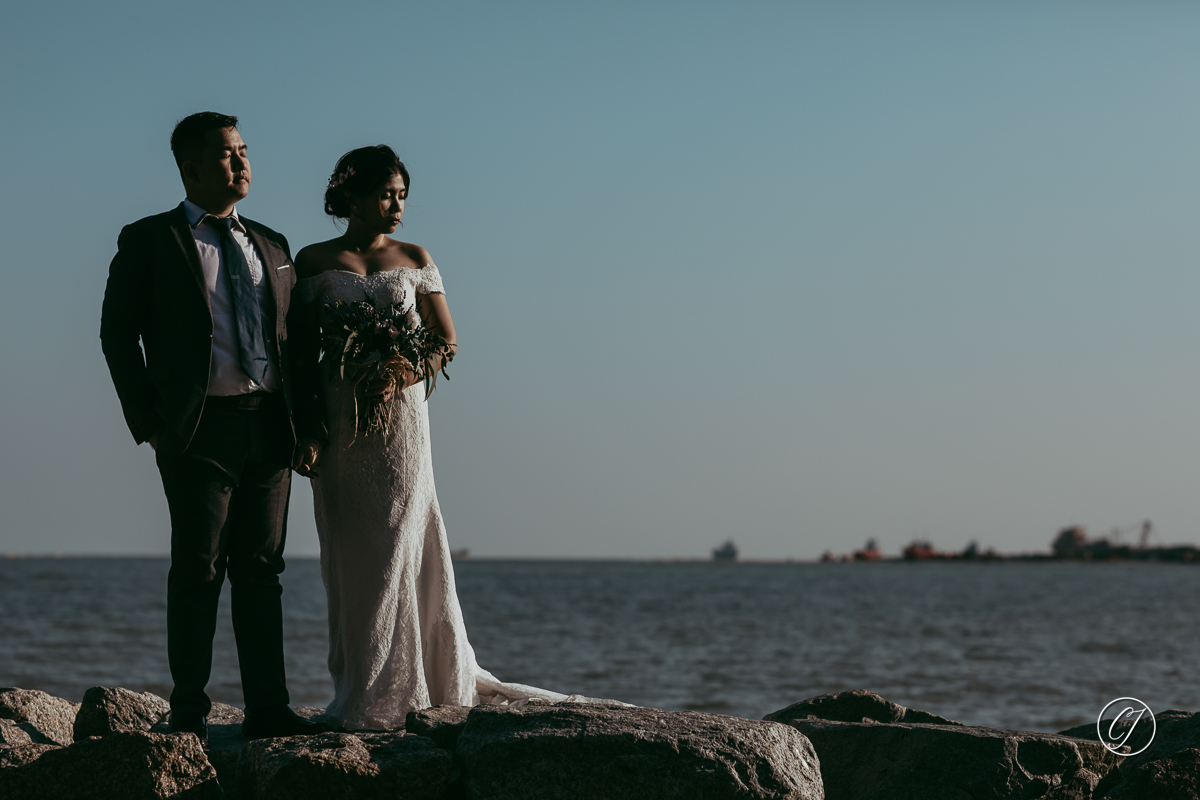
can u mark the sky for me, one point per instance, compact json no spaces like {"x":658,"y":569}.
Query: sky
{"x":796,"y":274}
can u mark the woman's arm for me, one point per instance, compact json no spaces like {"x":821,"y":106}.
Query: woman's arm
{"x":435,"y":315}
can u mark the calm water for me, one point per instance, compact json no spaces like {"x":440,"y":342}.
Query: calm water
{"x":1034,"y":646}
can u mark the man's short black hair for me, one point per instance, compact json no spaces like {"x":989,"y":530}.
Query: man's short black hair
{"x":190,"y":133}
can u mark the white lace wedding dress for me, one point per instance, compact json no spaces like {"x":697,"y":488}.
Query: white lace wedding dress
{"x":396,"y":636}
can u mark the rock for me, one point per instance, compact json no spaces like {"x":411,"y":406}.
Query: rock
{"x":106,"y":711}
{"x":608,"y":752}
{"x":226,"y":743}
{"x":1088,"y":731}
{"x":911,"y":761}
{"x":22,"y":754}
{"x":15,"y":734}
{"x":1166,"y":765}
{"x":1175,"y":777}
{"x":443,"y":724}
{"x":51,"y":715}
{"x":858,"y":705}
{"x":121,"y":766}
{"x":362,"y":766}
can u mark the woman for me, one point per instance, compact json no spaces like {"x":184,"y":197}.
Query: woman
{"x":396,"y":635}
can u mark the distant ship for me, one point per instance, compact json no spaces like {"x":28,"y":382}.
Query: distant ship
{"x":460,"y":555}
{"x":921,"y":550}
{"x":870,"y":552}
{"x":727,"y":552}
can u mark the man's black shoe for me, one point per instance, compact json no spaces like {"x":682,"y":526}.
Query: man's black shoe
{"x":183,"y":722}
{"x":267,"y":723}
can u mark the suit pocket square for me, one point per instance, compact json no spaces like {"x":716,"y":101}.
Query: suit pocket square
{"x":285,"y":266}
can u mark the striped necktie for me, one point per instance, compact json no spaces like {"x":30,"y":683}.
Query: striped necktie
{"x":252,"y":349}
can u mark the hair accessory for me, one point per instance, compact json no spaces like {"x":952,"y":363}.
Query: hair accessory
{"x":341,"y":177}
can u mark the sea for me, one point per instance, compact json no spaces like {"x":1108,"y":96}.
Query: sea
{"x":1034,"y":646}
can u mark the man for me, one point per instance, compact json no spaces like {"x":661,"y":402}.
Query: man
{"x":205,"y":293}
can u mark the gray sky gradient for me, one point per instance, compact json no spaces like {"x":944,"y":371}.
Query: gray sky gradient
{"x":792,"y":273}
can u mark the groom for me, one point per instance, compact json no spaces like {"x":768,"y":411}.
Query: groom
{"x":194,"y":332}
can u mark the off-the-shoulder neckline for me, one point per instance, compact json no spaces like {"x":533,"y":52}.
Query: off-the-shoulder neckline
{"x":369,"y":274}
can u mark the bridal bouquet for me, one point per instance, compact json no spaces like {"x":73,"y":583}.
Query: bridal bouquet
{"x":372,"y":343}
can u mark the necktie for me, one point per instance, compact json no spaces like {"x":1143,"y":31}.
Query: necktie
{"x":252,"y":350}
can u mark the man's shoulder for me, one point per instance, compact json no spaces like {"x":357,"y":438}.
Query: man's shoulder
{"x":157,"y":220}
{"x":152,"y":226}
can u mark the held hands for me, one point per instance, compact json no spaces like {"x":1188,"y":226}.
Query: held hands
{"x":306,"y":458}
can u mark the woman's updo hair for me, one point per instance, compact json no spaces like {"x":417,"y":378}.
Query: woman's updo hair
{"x":359,"y":173}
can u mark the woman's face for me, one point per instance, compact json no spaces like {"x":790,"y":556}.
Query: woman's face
{"x":383,"y":209}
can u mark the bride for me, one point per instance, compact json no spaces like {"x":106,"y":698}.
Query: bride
{"x":396,"y":636}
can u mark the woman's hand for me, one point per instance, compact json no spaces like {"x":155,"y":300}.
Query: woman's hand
{"x":381,"y":390}
{"x":410,"y":378}
{"x":306,"y":458}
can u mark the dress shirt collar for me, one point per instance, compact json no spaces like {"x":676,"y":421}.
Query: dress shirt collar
{"x":196,"y":215}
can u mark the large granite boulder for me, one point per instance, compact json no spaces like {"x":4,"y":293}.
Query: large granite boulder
{"x":15,"y":734}
{"x":1168,"y":768}
{"x":122,"y":766}
{"x":364,"y":766}
{"x":858,"y":705}
{"x":1173,"y":777}
{"x":443,"y":724}
{"x":609,"y":752}
{"x":18,"y":755}
{"x":12,"y":734}
{"x":226,"y":742}
{"x":114,"y":710}
{"x":51,"y":715}
{"x":1175,"y":730}
{"x":909,"y":761}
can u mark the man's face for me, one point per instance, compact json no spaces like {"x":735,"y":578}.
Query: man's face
{"x":222,"y":169}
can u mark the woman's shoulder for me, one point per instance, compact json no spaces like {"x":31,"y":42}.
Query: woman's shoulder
{"x":420,"y":269}
{"x":418,"y":255}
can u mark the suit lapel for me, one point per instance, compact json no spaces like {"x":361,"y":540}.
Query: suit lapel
{"x":272,"y":259}
{"x":187,"y":246}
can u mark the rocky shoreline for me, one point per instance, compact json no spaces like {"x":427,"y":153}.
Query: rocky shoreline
{"x":846,"y":746}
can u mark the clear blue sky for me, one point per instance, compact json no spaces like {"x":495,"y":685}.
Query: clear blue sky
{"x":792,"y":273}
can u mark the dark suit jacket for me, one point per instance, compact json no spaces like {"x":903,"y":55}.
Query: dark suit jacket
{"x":156,"y":299}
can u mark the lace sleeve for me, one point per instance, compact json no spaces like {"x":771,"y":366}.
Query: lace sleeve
{"x":429,"y":280}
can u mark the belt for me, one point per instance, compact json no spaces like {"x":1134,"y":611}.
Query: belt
{"x":254,"y":401}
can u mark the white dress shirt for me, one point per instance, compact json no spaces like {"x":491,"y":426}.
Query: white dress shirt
{"x":225,"y":375}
